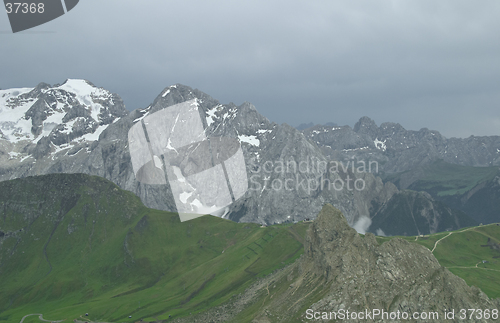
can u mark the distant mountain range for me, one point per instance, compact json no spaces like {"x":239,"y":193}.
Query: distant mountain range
{"x":76,"y":127}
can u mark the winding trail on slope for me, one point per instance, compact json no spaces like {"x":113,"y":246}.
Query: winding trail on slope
{"x":436,"y":243}
{"x":462,"y":267}
{"x":472,"y":228}
{"x":40,"y":317}
{"x":449,"y":234}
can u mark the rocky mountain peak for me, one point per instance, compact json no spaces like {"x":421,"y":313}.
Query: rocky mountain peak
{"x":48,"y":119}
{"x":344,"y":272}
{"x":39,"y":89}
{"x":331,"y":242}
{"x":396,"y":275}
{"x":331,"y":225}
{"x":365,"y":125}
{"x":79,"y":128}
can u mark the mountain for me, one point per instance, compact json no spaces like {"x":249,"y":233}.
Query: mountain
{"x":103,"y":150}
{"x":343,"y":272}
{"x":481,"y":202}
{"x":79,"y":128}
{"x":473,"y":190}
{"x":303,"y":126}
{"x":416,"y":213}
{"x":397,"y":149}
{"x":47,"y":119}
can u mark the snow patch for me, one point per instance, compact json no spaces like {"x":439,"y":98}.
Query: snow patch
{"x":178,"y":174}
{"x":252,"y":140}
{"x":94,"y":136}
{"x":140,"y":118}
{"x":157,"y":162}
{"x":13,"y":124}
{"x":380,"y":144}
{"x":47,"y":128}
{"x":26,"y":157}
{"x":13,"y":155}
{"x":211,"y":115}
{"x":59,"y":148}
{"x":85,"y":93}
{"x":169,"y":146}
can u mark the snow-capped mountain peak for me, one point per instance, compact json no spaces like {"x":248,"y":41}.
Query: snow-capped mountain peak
{"x":63,"y":115}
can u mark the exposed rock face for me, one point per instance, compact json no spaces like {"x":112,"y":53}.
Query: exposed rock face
{"x":79,"y":128}
{"x":69,"y":148}
{"x":398,"y":149}
{"x":396,"y":275}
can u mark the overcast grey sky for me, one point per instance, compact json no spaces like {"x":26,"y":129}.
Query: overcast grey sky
{"x":433,"y":64}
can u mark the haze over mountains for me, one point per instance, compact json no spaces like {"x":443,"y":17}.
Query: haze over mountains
{"x":79,"y":128}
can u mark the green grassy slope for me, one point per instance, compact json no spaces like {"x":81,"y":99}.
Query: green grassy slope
{"x":87,"y":246}
{"x":75,"y":244}
{"x":463,"y":252}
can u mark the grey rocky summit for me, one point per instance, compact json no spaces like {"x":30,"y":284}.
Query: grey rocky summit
{"x":85,"y":130}
{"x":79,"y":128}
{"x":398,"y":149}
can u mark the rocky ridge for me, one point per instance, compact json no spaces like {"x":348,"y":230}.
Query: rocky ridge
{"x":79,"y":128}
{"x":106,"y":153}
{"x":343,"y":271}
{"x":397,"y":149}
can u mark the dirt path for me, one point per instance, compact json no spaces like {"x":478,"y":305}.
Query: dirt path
{"x":436,"y":243}
{"x":461,"y":267}
{"x":40,"y":317}
{"x":488,"y":236}
{"x":472,"y":228}
{"x":449,"y":234}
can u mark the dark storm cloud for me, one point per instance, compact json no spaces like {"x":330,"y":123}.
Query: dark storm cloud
{"x":432,"y":64}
